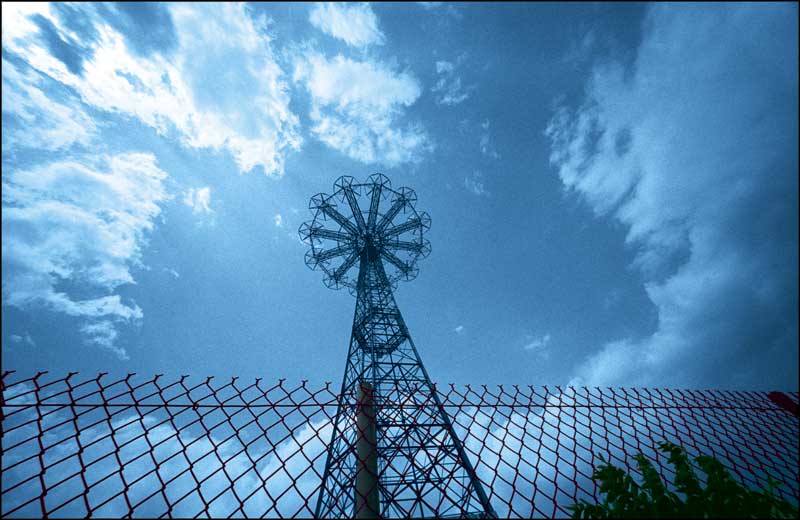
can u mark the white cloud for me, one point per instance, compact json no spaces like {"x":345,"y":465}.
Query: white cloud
{"x":475,"y":184}
{"x":356,"y":106}
{"x":486,"y":146}
{"x":185,"y":92}
{"x":69,"y":223}
{"x":199,"y":199}
{"x":175,"y":274}
{"x":449,"y":11}
{"x":104,"y":334}
{"x":538,"y":344}
{"x":696,"y":153}
{"x":448,"y":86}
{"x":355,"y":24}
{"x":16,"y":21}
{"x":459,"y":329}
{"x":23,"y":340}
{"x":278,"y":219}
{"x":44,"y":124}
{"x":444,"y":67}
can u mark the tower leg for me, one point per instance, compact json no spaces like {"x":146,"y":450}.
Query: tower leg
{"x":367,"y":499}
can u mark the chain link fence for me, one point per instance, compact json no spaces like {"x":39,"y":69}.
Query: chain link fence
{"x":151,"y":447}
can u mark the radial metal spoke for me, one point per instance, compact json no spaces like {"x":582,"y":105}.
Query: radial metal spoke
{"x":333,"y":253}
{"x":373,"y":204}
{"x":327,"y":233}
{"x":403,"y":245}
{"x":405,"y":226}
{"x":395,"y":261}
{"x":351,"y":199}
{"x":389,"y":215}
{"x":338,"y":217}
{"x":342,"y":269}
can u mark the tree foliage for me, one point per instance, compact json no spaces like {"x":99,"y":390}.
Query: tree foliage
{"x":722,"y":496}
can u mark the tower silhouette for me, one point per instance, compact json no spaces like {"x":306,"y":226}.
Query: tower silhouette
{"x":393,"y":450}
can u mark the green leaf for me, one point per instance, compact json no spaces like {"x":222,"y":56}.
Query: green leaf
{"x":722,"y":497}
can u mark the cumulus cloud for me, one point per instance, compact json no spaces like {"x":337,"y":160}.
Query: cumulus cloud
{"x":199,"y":199}
{"x":356,"y":107}
{"x":694,"y":150}
{"x":448,"y":87}
{"x":278,"y":219}
{"x":182,"y":92}
{"x":70,"y":225}
{"x":355,"y":24}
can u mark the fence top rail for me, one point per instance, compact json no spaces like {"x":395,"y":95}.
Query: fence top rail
{"x":70,"y":391}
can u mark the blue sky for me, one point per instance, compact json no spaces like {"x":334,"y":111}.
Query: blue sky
{"x":613,"y":187}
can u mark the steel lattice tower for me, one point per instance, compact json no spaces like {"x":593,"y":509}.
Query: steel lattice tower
{"x":393,"y":450}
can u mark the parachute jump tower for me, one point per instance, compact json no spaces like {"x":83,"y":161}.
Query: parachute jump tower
{"x":393,"y":450}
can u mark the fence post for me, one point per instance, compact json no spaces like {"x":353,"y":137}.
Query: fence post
{"x":367,"y":500}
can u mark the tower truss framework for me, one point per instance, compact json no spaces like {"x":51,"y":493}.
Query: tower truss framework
{"x":393,"y":450}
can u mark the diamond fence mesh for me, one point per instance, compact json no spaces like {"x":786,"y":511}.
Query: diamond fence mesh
{"x":136,"y":447}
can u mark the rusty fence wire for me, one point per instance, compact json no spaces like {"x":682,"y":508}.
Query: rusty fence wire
{"x":187,"y":447}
